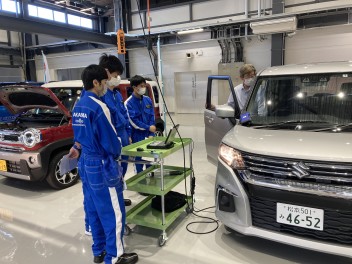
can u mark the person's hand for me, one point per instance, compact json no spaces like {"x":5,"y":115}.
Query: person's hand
{"x":150,"y":137}
{"x":130,"y":140}
{"x":73,"y":154}
{"x":152,"y":128}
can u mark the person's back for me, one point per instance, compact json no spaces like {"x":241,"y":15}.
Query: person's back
{"x":92,"y":114}
{"x":102,"y":180}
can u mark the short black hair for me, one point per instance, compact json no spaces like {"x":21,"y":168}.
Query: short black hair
{"x":137,"y":80}
{"x":91,"y":73}
{"x":110,"y":62}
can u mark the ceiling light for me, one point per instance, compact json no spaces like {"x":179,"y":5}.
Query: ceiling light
{"x":280,"y":25}
{"x":60,"y":2}
{"x":86,"y":9}
{"x":189,"y":31}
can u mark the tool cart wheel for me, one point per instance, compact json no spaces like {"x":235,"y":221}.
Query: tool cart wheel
{"x":162,"y":240}
{"x":127,"y":231}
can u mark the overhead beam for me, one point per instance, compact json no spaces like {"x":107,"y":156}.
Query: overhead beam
{"x":66,"y":32}
{"x":10,"y":51}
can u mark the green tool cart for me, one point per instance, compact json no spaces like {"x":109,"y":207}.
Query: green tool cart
{"x":143,"y":214}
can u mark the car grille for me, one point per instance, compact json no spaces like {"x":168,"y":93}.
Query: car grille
{"x":337,"y":224}
{"x":13,"y":166}
{"x":328,"y":178}
{"x":12,"y":138}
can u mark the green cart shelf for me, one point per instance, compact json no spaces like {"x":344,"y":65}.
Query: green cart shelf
{"x":142,"y":213}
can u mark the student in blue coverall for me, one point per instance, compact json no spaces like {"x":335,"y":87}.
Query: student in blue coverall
{"x":113,"y":99}
{"x":101,"y":175}
{"x":140,"y":113}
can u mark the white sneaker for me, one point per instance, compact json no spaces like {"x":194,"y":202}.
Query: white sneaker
{"x":88,"y":233}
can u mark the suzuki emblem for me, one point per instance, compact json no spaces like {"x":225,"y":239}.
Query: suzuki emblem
{"x":300,"y":170}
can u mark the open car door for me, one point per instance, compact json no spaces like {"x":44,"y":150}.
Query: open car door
{"x":216,"y":127}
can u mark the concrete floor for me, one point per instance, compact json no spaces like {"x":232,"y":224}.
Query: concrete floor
{"x":42,"y":226}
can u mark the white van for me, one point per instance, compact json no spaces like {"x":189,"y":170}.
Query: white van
{"x":284,"y":167}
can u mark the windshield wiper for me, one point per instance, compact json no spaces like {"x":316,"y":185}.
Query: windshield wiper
{"x":289,"y":122}
{"x":336,"y":128}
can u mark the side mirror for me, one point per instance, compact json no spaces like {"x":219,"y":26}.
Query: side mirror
{"x":224,"y":111}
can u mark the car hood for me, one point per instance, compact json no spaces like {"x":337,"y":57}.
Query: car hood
{"x":321,"y":146}
{"x":18,"y":99}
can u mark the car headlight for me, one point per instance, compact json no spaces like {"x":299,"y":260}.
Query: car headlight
{"x":30,"y":137}
{"x":232,"y":157}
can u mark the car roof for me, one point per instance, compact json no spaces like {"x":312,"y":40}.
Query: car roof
{"x":63,"y":84}
{"x":79,"y":84}
{"x":308,"y":68}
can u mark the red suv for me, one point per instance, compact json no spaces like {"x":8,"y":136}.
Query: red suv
{"x":32,"y":146}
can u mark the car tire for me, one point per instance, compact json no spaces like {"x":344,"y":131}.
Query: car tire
{"x":53,"y":177}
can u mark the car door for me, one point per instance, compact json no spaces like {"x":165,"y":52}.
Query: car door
{"x":216,"y":127}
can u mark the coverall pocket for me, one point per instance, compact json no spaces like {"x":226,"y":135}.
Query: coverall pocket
{"x":80,"y":172}
{"x":112,"y":173}
{"x":149,"y":112}
{"x":95,"y":177}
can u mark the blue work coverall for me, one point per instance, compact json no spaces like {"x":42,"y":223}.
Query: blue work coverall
{"x":114,"y":101}
{"x":141,"y":116}
{"x":101,"y":175}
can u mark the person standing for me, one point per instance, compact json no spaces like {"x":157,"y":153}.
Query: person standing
{"x":95,"y":136}
{"x":247,"y":75}
{"x":114,"y":101}
{"x":140,"y":113}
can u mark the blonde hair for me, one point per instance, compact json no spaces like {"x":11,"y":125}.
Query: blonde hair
{"x":247,"y":68}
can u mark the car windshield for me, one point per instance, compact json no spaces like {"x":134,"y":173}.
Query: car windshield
{"x":302,"y":102}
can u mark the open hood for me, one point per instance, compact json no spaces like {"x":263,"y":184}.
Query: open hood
{"x":20,"y":98}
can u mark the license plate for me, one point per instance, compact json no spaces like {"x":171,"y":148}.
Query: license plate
{"x":3,"y":166}
{"x":295,"y":215}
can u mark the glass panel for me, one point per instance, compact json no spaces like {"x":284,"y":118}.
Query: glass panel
{"x":45,"y":13}
{"x":86,"y":22}
{"x":74,"y":20}
{"x":313,"y":99}
{"x":32,"y":10}
{"x":59,"y":17}
{"x":8,"y":5}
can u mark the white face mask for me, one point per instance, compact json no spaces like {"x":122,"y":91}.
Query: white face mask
{"x":141,"y":91}
{"x":248,"y":82}
{"x":103,"y":91}
{"x":114,"y":81}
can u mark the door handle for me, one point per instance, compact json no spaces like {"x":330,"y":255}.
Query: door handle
{"x":210,"y":119}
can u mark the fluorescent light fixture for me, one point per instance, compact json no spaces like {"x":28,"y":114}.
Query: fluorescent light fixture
{"x":60,"y":2}
{"x":189,"y":31}
{"x":86,"y":9}
{"x":279,"y":25}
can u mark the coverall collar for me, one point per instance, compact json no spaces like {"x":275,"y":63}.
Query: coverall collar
{"x":88,"y":93}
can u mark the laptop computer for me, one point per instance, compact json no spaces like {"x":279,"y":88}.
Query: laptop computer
{"x":168,"y":143}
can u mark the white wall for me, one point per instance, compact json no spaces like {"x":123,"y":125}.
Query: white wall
{"x":320,"y":45}
{"x":174,"y":60}
{"x":69,"y":60}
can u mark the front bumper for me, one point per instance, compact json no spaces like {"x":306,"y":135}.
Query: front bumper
{"x":244,"y":218}
{"x":22,"y":165}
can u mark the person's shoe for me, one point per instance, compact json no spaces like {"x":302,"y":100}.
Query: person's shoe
{"x":88,"y":232}
{"x":127,"y":258}
{"x":99,"y":258}
{"x":128,"y":202}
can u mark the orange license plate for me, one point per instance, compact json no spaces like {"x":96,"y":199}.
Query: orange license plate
{"x":3,"y":166}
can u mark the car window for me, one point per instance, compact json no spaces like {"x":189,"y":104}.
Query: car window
{"x":67,"y":96}
{"x":156,"y":94}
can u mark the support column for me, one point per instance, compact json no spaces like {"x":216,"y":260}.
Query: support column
{"x":277,"y":40}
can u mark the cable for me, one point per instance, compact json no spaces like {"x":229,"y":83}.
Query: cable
{"x":192,"y":187}
{"x":163,"y":98}
{"x":210,"y":221}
